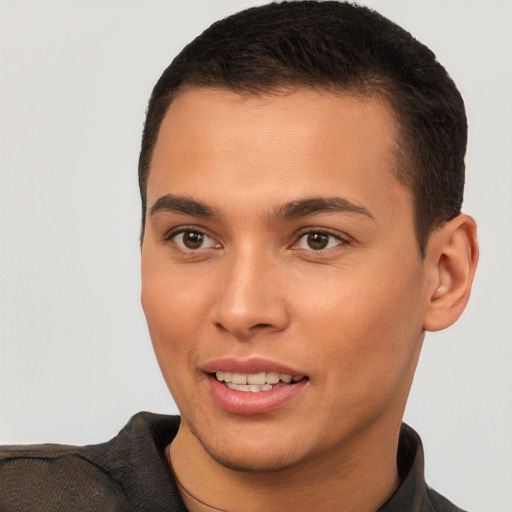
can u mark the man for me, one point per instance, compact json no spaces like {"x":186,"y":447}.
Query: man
{"x":301,"y":174}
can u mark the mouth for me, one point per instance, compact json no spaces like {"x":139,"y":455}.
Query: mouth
{"x":256,"y":382}
{"x":254,"y":385}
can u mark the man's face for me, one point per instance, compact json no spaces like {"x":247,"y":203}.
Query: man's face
{"x":278,"y":242}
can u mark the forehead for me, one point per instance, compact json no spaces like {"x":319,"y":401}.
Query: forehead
{"x":289,"y":144}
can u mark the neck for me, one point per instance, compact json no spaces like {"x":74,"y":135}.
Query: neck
{"x":358,"y":476}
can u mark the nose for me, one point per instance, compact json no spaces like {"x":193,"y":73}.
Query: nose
{"x":250,"y":300}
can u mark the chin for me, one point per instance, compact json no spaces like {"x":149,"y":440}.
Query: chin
{"x":255,"y":462}
{"x":252,"y":454}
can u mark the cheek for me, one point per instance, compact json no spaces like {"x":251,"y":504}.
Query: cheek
{"x":367,"y":325}
{"x":174,"y":314}
{"x":173,"y":298}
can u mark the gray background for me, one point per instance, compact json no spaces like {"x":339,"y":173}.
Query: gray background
{"x":75,"y":356}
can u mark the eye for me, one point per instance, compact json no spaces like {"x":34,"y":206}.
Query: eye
{"x":317,"y":241}
{"x":191,"y":240}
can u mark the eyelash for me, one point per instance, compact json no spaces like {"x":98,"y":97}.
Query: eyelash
{"x":324,"y":232}
{"x":170,"y":235}
{"x":341,"y":241}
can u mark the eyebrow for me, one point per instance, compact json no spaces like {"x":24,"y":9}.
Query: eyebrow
{"x":316,"y":205}
{"x":183,"y":205}
{"x":289,"y":211}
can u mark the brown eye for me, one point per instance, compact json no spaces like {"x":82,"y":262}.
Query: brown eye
{"x":193,"y":240}
{"x":317,"y":241}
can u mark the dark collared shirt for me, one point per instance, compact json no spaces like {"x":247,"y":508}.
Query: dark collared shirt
{"x":130,"y":473}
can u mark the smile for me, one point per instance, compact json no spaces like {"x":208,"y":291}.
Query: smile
{"x":255,"y":382}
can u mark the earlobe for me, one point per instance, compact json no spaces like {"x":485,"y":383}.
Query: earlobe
{"x":452,"y":255}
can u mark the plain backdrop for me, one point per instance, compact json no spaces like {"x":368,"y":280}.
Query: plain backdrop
{"x":75,"y":356}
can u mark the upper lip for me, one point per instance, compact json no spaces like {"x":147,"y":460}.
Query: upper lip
{"x":249,"y":365}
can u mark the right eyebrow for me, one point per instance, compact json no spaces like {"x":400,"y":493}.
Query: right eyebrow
{"x":184,"y":205}
{"x":315,"y":205}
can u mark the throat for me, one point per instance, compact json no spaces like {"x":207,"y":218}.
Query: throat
{"x":193,"y":503}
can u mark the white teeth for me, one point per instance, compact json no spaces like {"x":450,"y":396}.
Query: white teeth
{"x":257,"y":378}
{"x":255,"y":382}
{"x":254,"y":388}
{"x":239,"y":378}
{"x":272,"y":378}
{"x":238,"y":387}
{"x":224,"y":376}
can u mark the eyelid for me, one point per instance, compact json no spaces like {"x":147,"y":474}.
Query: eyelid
{"x":173,"y":232}
{"x":343,"y":238}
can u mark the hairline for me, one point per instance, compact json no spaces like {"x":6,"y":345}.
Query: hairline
{"x":380,"y":88}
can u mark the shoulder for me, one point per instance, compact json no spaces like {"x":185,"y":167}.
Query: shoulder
{"x":440,"y":503}
{"x":51,"y":477}
{"x":94,"y":477}
{"x":414,"y":494}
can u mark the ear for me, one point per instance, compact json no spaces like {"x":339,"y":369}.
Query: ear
{"x":452,"y":256}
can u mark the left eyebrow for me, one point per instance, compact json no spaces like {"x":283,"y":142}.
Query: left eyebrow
{"x":316,"y":205}
{"x":183,"y":205}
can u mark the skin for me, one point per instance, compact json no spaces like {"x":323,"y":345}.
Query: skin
{"x":350,"y":316}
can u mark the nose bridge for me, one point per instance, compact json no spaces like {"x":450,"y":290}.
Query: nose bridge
{"x":248,"y":298}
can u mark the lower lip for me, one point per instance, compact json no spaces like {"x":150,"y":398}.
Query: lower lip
{"x":248,"y":402}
